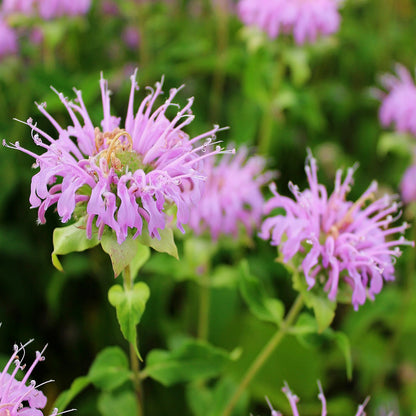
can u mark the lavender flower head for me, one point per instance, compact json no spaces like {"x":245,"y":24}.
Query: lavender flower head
{"x":337,"y":239}
{"x":398,"y":105}
{"x":47,"y":9}
{"x":21,"y":397}
{"x":123,"y":177}
{"x":293,"y":400}
{"x":232,"y":195}
{"x":8,"y":39}
{"x":305,"y":19}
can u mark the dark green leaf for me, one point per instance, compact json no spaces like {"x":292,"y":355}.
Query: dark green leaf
{"x":262,"y":307}
{"x":192,"y":360}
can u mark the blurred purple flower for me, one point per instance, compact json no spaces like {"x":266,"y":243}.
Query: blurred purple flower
{"x":47,"y":9}
{"x":18,"y":6}
{"x":120,"y":177}
{"x":408,"y":185}
{"x":18,"y":397}
{"x":305,"y":19}
{"x":8,"y":39}
{"x":131,"y":37}
{"x":399,"y":103}
{"x":337,"y":238}
{"x":293,"y":400}
{"x":231,"y":195}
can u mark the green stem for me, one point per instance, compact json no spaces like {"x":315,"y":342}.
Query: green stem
{"x":269,"y":113}
{"x":218,"y":80}
{"x":204,"y":301}
{"x":265,"y":353}
{"x":134,"y":360}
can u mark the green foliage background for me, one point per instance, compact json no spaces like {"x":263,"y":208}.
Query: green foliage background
{"x":323,"y":102}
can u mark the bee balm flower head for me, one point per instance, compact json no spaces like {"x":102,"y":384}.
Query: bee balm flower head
{"x":293,"y":400}
{"x":398,"y":105}
{"x":21,"y":397}
{"x":120,"y":175}
{"x":337,"y":240}
{"x":232,"y":195}
{"x":305,"y":19}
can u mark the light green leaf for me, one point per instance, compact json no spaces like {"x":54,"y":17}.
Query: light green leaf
{"x":192,"y":360}
{"x":262,"y":307}
{"x":166,"y":244}
{"x":399,"y":143}
{"x":110,"y":369}
{"x":297,"y":60}
{"x":69,"y":239}
{"x":121,"y":254}
{"x":323,"y":308}
{"x":343,"y":343}
{"x":130,"y":306}
{"x":117,"y":404}
{"x":305,"y":324}
{"x":67,"y":396}
{"x":140,"y":258}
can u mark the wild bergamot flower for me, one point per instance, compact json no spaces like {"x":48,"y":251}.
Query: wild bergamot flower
{"x":232,"y":195}
{"x":123,"y":176}
{"x":337,"y":240}
{"x":293,"y":400}
{"x":398,"y":105}
{"x":21,"y":397}
{"x":47,"y":9}
{"x":305,"y":19}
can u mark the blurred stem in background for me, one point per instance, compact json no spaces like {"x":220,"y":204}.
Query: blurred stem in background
{"x":139,"y":21}
{"x":204,"y":306}
{"x":265,"y":353}
{"x":271,"y":110}
{"x":134,"y":360}
{"x":218,"y":79}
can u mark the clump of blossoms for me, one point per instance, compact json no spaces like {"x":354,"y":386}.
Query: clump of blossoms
{"x":21,"y":397}
{"x":305,"y":19}
{"x":123,"y":176}
{"x":47,"y":9}
{"x":232,"y":195}
{"x":8,"y":39}
{"x":398,"y":105}
{"x":293,"y":400}
{"x":338,"y":240}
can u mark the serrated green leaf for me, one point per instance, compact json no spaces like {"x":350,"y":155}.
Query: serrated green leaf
{"x":69,"y":239}
{"x":166,"y":244}
{"x":192,"y":360}
{"x":117,"y":404}
{"x":121,"y":255}
{"x":67,"y":396}
{"x":130,"y":305}
{"x":110,"y":369}
{"x":262,"y":307}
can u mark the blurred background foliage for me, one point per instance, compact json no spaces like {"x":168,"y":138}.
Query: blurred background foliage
{"x":277,"y":98}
